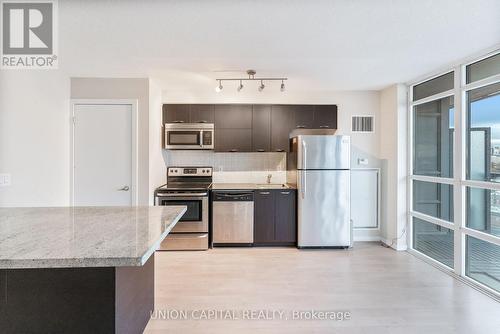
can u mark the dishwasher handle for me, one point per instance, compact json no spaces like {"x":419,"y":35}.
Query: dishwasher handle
{"x":233,"y":197}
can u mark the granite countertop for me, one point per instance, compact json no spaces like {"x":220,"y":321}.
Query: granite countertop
{"x":250,"y":186}
{"x":83,"y":236}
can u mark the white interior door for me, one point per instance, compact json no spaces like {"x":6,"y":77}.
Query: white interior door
{"x":102,"y":155}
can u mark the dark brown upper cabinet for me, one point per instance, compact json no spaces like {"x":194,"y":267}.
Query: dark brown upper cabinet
{"x":233,"y":140}
{"x":282,"y":122}
{"x":233,"y":124}
{"x":261,"y":128}
{"x":233,"y":116}
{"x":176,"y":113}
{"x":325,"y":116}
{"x":202,"y":113}
{"x":304,"y":116}
{"x":253,"y":128}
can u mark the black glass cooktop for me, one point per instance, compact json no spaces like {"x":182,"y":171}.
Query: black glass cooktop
{"x":185,"y":186}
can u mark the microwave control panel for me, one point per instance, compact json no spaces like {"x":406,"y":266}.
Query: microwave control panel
{"x":207,"y":137}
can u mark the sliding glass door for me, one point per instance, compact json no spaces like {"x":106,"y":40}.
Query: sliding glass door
{"x":455,"y":170}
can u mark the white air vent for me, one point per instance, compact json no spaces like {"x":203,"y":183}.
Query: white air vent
{"x":362,"y":124}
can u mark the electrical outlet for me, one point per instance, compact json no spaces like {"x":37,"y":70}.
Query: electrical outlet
{"x":5,"y":180}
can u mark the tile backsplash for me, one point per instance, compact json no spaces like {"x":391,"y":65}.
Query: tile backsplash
{"x":233,"y":167}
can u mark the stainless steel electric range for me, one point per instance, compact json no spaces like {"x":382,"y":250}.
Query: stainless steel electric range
{"x":187,"y":186}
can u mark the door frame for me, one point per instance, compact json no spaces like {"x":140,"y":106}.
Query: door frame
{"x":134,"y":105}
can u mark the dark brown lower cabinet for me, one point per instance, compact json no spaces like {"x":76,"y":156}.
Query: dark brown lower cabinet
{"x":285,"y":217}
{"x":275,"y":219}
{"x":263,"y":216}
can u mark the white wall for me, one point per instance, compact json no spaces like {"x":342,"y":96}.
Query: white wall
{"x":35,"y":130}
{"x":393,"y":148}
{"x":34,"y":137}
{"x":157,"y":168}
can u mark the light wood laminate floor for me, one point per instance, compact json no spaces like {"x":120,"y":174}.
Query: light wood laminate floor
{"x":385,"y":292}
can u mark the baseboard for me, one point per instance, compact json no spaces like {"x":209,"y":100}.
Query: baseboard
{"x":397,"y":246}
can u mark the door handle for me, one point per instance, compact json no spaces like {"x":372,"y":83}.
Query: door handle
{"x":125,"y":188}
{"x":303,"y":181}
{"x":304,"y":153}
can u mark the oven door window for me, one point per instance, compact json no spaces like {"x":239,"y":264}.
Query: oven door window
{"x":184,"y":138}
{"x":193,"y":212}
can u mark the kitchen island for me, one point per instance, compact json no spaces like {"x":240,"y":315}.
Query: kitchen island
{"x":80,"y":269}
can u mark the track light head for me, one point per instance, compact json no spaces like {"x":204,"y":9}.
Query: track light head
{"x":218,"y":89}
{"x":282,"y":88}
{"x":240,"y":87}
{"x":261,"y":87}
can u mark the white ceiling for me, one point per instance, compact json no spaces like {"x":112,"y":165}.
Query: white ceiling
{"x":319,"y":45}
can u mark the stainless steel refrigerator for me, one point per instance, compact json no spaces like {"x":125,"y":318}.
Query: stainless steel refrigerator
{"x":319,"y":165}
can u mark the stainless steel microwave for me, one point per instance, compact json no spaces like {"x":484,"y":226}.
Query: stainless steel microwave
{"x":189,"y":136}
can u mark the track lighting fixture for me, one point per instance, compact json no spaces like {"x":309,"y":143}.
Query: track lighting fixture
{"x":219,"y":87}
{"x":251,"y":77}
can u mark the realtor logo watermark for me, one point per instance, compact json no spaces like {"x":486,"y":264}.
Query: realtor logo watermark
{"x":29,"y":34}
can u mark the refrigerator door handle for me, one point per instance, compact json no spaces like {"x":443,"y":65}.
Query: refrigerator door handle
{"x":303,"y":184}
{"x":304,"y":153}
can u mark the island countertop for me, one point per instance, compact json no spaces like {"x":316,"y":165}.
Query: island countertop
{"x":83,"y":236}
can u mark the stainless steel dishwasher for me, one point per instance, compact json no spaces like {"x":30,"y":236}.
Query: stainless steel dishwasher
{"x":232,"y":218}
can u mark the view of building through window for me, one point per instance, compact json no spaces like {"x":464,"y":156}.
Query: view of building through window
{"x":434,"y":147}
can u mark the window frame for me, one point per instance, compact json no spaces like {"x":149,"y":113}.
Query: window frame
{"x":459,"y":180}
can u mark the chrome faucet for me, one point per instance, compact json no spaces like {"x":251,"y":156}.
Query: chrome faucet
{"x":269,"y":176}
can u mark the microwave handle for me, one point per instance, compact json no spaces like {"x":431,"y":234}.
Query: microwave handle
{"x":201,"y":138}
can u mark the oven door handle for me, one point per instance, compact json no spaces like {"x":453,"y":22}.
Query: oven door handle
{"x":183,"y":195}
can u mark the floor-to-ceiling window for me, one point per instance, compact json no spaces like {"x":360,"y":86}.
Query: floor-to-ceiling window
{"x":455,"y":170}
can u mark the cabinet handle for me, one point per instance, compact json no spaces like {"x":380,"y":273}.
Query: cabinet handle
{"x":202,"y":121}
{"x":264,"y":192}
{"x":178,"y":122}
{"x":280,"y":150}
{"x":300,"y":126}
{"x":233,"y":150}
{"x":260,"y":150}
{"x":324,"y":126}
{"x":285,"y":192}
